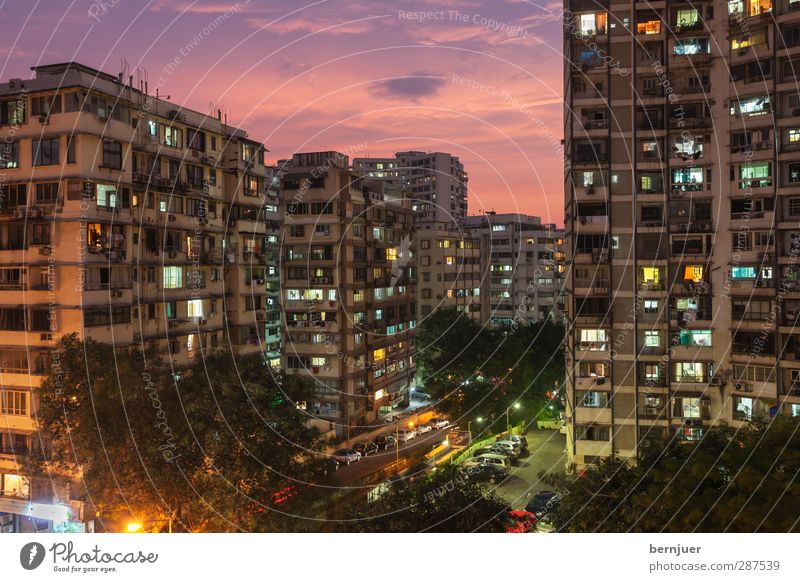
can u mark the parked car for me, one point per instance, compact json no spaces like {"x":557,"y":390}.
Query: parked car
{"x":523,"y":442}
{"x":386,"y":441}
{"x":423,"y":428}
{"x":509,"y":447}
{"x":472,"y":462}
{"x":563,"y":428}
{"x":390,"y":418}
{"x":494,"y":450}
{"x":365,"y":449}
{"x":439,"y":423}
{"x":499,"y":460}
{"x":406,"y":434}
{"x":483,"y":472}
{"x":543,"y":503}
{"x":421,"y":394}
{"x":511,"y":444}
{"x":346,"y":456}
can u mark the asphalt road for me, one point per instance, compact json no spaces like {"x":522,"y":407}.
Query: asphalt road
{"x":547,"y":453}
{"x":358,"y":470}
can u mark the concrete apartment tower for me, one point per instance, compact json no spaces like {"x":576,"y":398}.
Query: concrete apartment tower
{"x":126,"y":219}
{"x":682,"y":135}
{"x":448,"y":258}
{"x":522,"y":268}
{"x":348,"y":290}
{"x":435,"y":181}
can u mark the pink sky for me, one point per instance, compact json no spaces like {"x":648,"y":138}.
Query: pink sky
{"x":479,"y":79}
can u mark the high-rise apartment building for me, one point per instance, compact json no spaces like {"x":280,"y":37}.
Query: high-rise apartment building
{"x":436,"y":182}
{"x":348,"y":289}
{"x":448,"y":270}
{"x":522,"y":268}
{"x":129,"y":220}
{"x":682,"y":127}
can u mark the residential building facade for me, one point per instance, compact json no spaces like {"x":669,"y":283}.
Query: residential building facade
{"x":522,"y":268}
{"x":348,"y":290}
{"x":682,"y":200}
{"x":125,"y":219}
{"x":449,"y":270}
{"x":436,"y":182}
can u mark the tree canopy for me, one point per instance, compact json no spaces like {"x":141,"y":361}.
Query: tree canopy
{"x":439,"y":501}
{"x":209,"y":444}
{"x":474,"y":371}
{"x":730,"y":481}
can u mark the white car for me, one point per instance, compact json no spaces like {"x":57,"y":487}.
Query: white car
{"x":497,"y":460}
{"x":472,"y":462}
{"x":423,"y":428}
{"x":439,"y":423}
{"x":421,"y":394}
{"x":346,"y":456}
{"x":390,"y":418}
{"x":406,"y":434}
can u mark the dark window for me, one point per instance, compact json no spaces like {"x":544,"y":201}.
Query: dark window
{"x":112,"y":154}
{"x":45,"y":152}
{"x":46,"y":192}
{"x":9,"y":155}
{"x":12,"y":112}
{"x":106,"y":316}
{"x":71,"y":149}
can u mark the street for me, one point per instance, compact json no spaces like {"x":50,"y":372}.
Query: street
{"x":546,"y":454}
{"x":358,"y":470}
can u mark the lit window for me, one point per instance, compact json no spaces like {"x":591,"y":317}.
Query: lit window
{"x":173,"y":277}
{"x":379,"y":355}
{"x":743,"y":272}
{"x":651,"y":275}
{"x":649,"y":27}
{"x":652,"y":339}
{"x":693,"y":273}
{"x":195,"y":307}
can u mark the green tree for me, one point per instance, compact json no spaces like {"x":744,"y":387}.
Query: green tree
{"x":440,"y":501}
{"x":737,"y":481}
{"x":474,"y":371}
{"x":207,"y":444}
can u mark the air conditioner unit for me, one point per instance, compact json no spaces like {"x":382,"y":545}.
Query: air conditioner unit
{"x":203,"y":321}
{"x":45,"y":250}
{"x":651,"y":410}
{"x":742,"y":387}
{"x":44,"y":119}
{"x":796,"y":111}
{"x":102,"y":114}
{"x":171,"y":218}
{"x":46,"y":337}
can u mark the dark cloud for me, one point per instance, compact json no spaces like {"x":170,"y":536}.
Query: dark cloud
{"x":411,"y":86}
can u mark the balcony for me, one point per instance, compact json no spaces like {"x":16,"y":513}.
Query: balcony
{"x":590,"y":286}
{"x":652,"y":412}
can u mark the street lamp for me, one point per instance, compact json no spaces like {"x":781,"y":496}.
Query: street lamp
{"x":515,"y":406}
{"x":135,"y":526}
{"x":469,"y":426}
